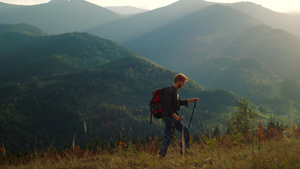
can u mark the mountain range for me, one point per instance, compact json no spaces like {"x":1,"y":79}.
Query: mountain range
{"x":62,"y":81}
{"x":192,"y":42}
{"x":61,"y":16}
{"x":143,"y":23}
{"x":236,"y":30}
{"x":54,"y":79}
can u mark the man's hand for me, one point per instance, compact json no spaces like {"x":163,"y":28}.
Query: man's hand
{"x":178,"y":118}
{"x":193,"y":100}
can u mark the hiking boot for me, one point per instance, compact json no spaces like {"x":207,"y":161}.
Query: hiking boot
{"x":161,"y":154}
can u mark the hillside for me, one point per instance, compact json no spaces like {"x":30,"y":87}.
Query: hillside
{"x":276,"y":48}
{"x":53,"y":83}
{"x":272,"y":146}
{"x":248,"y":77}
{"x":58,"y":16}
{"x":108,"y":99}
{"x":22,"y":28}
{"x":53,"y":54}
{"x":223,"y":152}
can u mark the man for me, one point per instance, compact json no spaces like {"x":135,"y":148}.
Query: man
{"x":171,"y":104}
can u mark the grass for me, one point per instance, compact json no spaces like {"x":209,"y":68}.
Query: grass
{"x":278,"y":151}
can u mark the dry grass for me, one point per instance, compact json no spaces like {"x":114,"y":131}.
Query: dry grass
{"x":277,"y":152}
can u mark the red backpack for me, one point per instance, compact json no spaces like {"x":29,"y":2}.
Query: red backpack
{"x":155,"y":103}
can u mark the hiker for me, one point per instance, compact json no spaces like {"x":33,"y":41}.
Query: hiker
{"x":171,"y":104}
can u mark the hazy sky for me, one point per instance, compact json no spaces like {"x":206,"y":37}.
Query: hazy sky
{"x":276,"y":5}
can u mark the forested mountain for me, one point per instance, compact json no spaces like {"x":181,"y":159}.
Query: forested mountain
{"x":22,"y":28}
{"x":190,"y":37}
{"x":191,"y":43}
{"x":277,"y":48}
{"x":26,"y":56}
{"x":58,"y":16}
{"x":62,"y":81}
{"x":51,"y":110}
{"x":248,"y":77}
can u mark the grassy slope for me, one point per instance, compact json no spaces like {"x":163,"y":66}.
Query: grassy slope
{"x":282,"y":152}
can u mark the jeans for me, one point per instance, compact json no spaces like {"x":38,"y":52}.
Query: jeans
{"x":170,"y":125}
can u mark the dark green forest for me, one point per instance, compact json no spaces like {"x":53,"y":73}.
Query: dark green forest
{"x":46,"y":101}
{"x":52,"y":109}
{"x":26,"y":55}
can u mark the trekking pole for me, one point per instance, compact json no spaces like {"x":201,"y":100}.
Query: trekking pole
{"x":192,"y":114}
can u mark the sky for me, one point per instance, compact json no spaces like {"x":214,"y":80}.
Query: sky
{"x":275,"y":5}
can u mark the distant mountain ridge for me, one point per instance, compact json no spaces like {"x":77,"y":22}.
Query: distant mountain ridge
{"x":132,"y":27}
{"x":126,"y":10}
{"x":285,"y":21}
{"x":58,"y":16}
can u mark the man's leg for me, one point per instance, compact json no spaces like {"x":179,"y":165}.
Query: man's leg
{"x":169,"y":130}
{"x":186,"y":131}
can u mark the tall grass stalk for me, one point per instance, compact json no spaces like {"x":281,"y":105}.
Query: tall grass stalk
{"x":85,"y":132}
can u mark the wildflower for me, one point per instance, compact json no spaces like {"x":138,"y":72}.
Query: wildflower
{"x":122,"y":144}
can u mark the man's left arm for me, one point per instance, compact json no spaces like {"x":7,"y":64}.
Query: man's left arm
{"x":192,"y":100}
